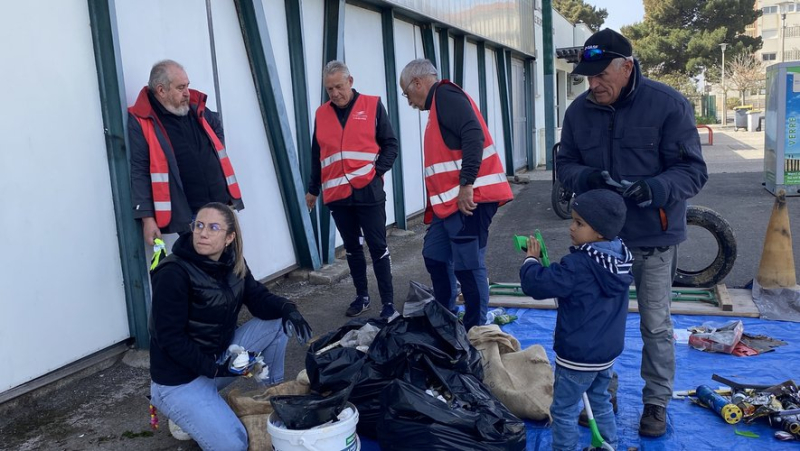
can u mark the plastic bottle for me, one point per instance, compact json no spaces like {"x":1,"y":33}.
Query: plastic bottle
{"x":492,"y":314}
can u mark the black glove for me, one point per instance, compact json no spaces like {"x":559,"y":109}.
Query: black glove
{"x":295,"y":324}
{"x":601,"y":180}
{"x":224,"y":368}
{"x":640,"y":193}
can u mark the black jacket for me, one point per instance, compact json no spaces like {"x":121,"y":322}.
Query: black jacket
{"x":373,"y":193}
{"x":196,"y":302}
{"x":195,"y":174}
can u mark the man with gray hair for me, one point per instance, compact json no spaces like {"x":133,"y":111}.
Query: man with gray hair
{"x":178,"y":158}
{"x":353,"y":146}
{"x":638,"y":137}
{"x":465,"y":184}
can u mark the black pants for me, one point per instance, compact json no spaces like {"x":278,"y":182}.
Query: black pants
{"x":351,"y":221}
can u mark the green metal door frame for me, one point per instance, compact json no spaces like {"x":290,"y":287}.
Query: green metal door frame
{"x":530,"y":115}
{"x":105,"y":41}
{"x":482,"y":79}
{"x":444,"y":53}
{"x":459,"y":48}
{"x":503,"y":82}
{"x":428,"y":46}
{"x":393,"y":108}
{"x":252,"y":20}
{"x":297,"y":62}
{"x":549,"y":81}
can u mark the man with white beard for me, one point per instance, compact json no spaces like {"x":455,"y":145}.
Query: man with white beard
{"x":177,"y":154}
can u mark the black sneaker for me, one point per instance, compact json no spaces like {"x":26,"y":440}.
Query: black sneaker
{"x":388,"y":311}
{"x":358,"y":306}
{"x":654,"y":421}
{"x":583,"y":419}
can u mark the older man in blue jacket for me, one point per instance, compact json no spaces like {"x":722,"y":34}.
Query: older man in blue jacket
{"x":639,"y":137}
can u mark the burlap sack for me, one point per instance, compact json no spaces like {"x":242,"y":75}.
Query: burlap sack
{"x":521,"y":380}
{"x":253,"y":409}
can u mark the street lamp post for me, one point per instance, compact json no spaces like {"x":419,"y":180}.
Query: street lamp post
{"x":724,"y":92}
{"x":782,"y":8}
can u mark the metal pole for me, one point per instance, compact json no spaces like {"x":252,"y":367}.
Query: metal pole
{"x":724,"y":92}
{"x":783,"y":32}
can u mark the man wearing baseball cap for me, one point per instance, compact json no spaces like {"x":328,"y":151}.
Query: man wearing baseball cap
{"x":638,"y":137}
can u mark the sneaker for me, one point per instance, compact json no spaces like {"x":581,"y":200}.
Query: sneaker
{"x":583,"y":419}
{"x":654,"y":421}
{"x":177,"y":432}
{"x":358,"y":306}
{"x":388,"y":311}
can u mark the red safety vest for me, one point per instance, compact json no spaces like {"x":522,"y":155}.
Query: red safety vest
{"x":347,"y":154}
{"x":443,"y":168}
{"x":159,"y":167}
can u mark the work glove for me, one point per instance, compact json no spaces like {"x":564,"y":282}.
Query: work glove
{"x":640,"y":193}
{"x":295,"y":324}
{"x":598,"y":180}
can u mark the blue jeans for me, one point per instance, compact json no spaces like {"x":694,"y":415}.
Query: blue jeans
{"x":568,"y":390}
{"x":454,"y":248}
{"x":197,"y":406}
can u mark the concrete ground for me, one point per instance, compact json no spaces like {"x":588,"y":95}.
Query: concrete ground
{"x":108,"y":410}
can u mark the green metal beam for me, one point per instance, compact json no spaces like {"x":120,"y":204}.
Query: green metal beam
{"x":444,"y":53}
{"x":332,"y":49}
{"x":505,"y":108}
{"x":549,"y":81}
{"x":428,"y":46}
{"x":530,"y":115}
{"x":393,"y":108}
{"x":482,"y":80}
{"x":105,"y":42}
{"x":458,"y":63}
{"x":297,"y":61}
{"x":252,"y":20}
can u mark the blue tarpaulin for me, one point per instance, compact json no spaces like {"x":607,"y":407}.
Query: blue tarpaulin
{"x":690,"y":427}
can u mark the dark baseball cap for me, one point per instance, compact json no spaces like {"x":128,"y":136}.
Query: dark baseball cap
{"x":599,"y":50}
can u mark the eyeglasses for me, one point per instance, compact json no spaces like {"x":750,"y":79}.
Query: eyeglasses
{"x":405,"y":91}
{"x":213,"y":228}
{"x":596,"y":54}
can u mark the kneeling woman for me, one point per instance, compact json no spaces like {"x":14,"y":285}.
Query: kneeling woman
{"x":197,"y":294}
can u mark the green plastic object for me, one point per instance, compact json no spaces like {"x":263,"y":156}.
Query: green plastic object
{"x":521,"y":243}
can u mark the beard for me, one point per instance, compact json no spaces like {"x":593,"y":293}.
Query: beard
{"x":181,"y":110}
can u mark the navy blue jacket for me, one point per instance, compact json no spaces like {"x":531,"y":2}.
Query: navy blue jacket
{"x":591,"y":285}
{"x":648,"y":133}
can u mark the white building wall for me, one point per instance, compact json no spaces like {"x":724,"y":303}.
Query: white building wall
{"x":471,"y":84}
{"x":494,"y":109}
{"x":61,"y":287}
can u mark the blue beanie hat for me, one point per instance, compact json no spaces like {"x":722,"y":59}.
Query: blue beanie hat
{"x":604,"y":210}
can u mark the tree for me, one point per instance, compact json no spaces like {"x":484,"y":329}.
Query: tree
{"x":683,"y":36}
{"x":744,"y":73}
{"x":681,"y":83}
{"x":577,"y":11}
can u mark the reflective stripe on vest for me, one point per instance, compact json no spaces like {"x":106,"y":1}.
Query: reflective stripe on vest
{"x":159,"y":169}
{"x":224,"y":161}
{"x":159,"y":174}
{"x":443,"y":168}
{"x":347,"y":155}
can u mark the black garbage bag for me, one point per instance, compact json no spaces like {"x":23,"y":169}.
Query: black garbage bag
{"x":437,"y":335}
{"x":307,"y":411}
{"x":465,"y":415}
{"x":403,"y":349}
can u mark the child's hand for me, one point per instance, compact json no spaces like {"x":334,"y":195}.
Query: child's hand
{"x":534,"y":248}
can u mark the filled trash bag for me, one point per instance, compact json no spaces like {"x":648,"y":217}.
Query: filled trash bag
{"x":454,"y":411}
{"x":308,"y":411}
{"x":437,"y":334}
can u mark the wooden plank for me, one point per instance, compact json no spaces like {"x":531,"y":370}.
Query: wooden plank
{"x":724,"y":298}
{"x":741,"y":304}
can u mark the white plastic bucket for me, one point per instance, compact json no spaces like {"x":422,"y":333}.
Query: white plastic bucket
{"x":338,"y":436}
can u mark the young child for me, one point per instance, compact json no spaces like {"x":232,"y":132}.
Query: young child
{"x":591,"y":284}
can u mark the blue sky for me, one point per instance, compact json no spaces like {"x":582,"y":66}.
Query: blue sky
{"x":620,"y":12}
